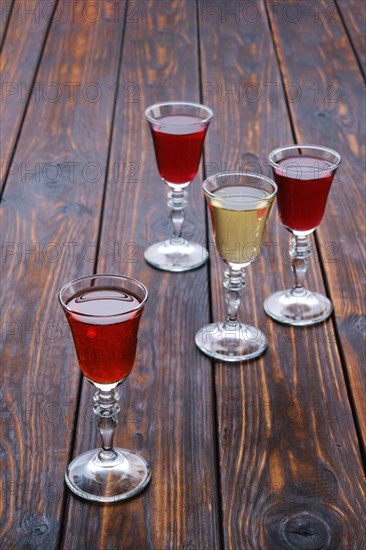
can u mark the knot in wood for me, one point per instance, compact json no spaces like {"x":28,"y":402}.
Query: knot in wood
{"x":306,"y":531}
{"x":37,"y":529}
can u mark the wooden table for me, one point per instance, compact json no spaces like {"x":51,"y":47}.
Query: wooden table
{"x":263,"y":455}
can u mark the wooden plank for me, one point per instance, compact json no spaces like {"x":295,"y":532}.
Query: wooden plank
{"x":6,"y":7}
{"x":171,"y":385}
{"x":289,"y":458}
{"x":354,"y":15}
{"x":40,"y":380}
{"x":336,"y":117}
{"x":18,"y":63}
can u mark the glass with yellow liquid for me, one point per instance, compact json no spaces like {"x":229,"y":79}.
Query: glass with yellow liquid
{"x":239,"y":204}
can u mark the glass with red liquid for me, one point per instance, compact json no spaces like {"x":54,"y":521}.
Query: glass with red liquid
{"x":178,"y":131}
{"x":304,"y":175}
{"x":104,"y":313}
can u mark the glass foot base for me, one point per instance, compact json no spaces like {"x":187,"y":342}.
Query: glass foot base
{"x":285,"y":307}
{"x":170,"y":257}
{"x":246,"y":342}
{"x":119,"y":479}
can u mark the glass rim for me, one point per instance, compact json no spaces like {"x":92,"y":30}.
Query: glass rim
{"x":189,"y":103}
{"x":333,"y":166}
{"x":250,"y":174}
{"x":97,"y":276}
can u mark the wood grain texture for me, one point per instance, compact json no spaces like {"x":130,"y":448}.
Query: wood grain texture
{"x":289,"y":458}
{"x":338,"y":121}
{"x":40,"y":378}
{"x":168,"y":396}
{"x":18,"y":63}
{"x":354,"y":15}
{"x":6,"y":7}
{"x":290,"y":474}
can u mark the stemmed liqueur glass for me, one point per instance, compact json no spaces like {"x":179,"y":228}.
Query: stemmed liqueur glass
{"x":178,"y":130}
{"x":304,"y":175}
{"x":239,"y":205}
{"x":104,"y":313}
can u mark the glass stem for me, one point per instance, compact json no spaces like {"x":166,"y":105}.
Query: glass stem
{"x":177,"y":202}
{"x":234,"y":283}
{"x":299,"y":252}
{"x":106,"y":408}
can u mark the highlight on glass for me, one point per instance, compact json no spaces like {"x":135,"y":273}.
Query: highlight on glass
{"x":239,"y":204}
{"x":304,"y":175}
{"x":104,"y":313}
{"x":178,"y":130}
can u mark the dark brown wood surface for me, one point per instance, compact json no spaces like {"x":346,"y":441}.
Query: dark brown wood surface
{"x":19,"y":61}
{"x":284,"y":473}
{"x":40,"y":382}
{"x":5,"y":14}
{"x":329,"y":112}
{"x":263,"y":455}
{"x":353,"y":13}
{"x":170,"y":390}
